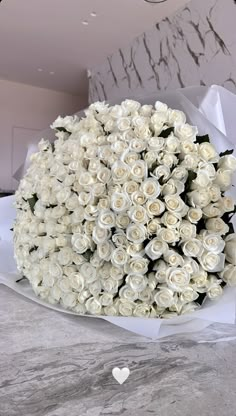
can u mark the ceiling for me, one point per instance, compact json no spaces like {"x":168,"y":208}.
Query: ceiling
{"x":44,"y":42}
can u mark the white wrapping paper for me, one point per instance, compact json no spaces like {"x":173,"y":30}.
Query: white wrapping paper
{"x":212,"y":110}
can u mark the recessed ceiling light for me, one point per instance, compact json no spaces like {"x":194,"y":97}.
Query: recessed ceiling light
{"x":40,"y":70}
{"x":93,"y":14}
{"x":155,"y":1}
{"x":52,"y":73}
{"x":85,"y":22}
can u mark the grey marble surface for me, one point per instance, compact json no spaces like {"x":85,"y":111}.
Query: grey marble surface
{"x":195,"y":46}
{"x":57,"y":365}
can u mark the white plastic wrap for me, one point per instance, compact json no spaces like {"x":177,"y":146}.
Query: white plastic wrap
{"x":212,"y":110}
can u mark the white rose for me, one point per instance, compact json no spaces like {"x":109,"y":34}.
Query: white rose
{"x":180,"y":173}
{"x":104,"y":203}
{"x":160,"y":265}
{"x":95,"y":288}
{"x":104,"y":175}
{"x":68,"y":299}
{"x":161,"y":107}
{"x":227,"y":162}
{"x":188,"y":295}
{"x":119,"y":256}
{"x":191,"y":265}
{"x":146,"y":110}
{"x":150,"y":158}
{"x":106,"y":219}
{"x":212,"y":262}
{"x":186,"y":132}
{"x":156,"y":248}
{"x":139,"y":170}
{"x":127,"y":293}
{"x":81,"y":243}
{"x":189,"y":308}
{"x":88,"y":272}
{"x":119,"y":239}
{"x":173,"y":258}
{"x":100,"y":234}
{"x":226,"y":204}
{"x":170,"y":236}
{"x":208,"y":153}
{"x":64,"y":256}
{"x":138,"y":214}
{"x":130,"y":106}
{"x":223,"y":179}
{"x":199,"y":198}
{"x":84,"y":198}
{"x":95,"y":260}
{"x":104,"y":250}
{"x":202,"y":180}
{"x":120,"y":172}
{"x":137,"y":265}
{"x":194,"y":215}
{"x":167,"y":159}
{"x":116,"y":273}
{"x":122,"y":221}
{"x":156,"y":143}
{"x":164,"y":298}
{"x":130,"y":157}
{"x":135,"y":250}
{"x":119,"y":147}
{"x":230,"y":248}
{"x":142,"y":310}
{"x":55,"y":270}
{"x":212,"y":210}
{"x":213,"y":242}
{"x":217,"y":225}
{"x":177,"y":278}
{"x":83,"y":296}
{"x":136,"y":281}
{"x":138,"y":198}
{"x":175,"y":204}
{"x":120,"y":202}
{"x":199,"y":280}
{"x":172,"y":187}
{"x":192,"y":248}
{"x":176,"y":117}
{"x":136,"y":233}
{"x":188,"y":148}
{"x":126,"y":307}
{"x":153,"y":226}
{"x":123,"y":123}
{"x":93,"y":306}
{"x":171,"y":220}
{"x":86,"y":179}
{"x":229,"y":275}
{"x":190,"y":161}
{"x":172,"y":144}
{"x":77,"y":282}
{"x":151,"y":188}
{"x":130,"y":187}
{"x":162,"y":172}
{"x":215,"y":193}
{"x":214,"y":290}
{"x":137,"y":145}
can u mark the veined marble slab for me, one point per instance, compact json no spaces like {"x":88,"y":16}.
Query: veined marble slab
{"x":195,"y":46}
{"x":57,"y":365}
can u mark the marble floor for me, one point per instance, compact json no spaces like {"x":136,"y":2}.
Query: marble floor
{"x":58,"y":365}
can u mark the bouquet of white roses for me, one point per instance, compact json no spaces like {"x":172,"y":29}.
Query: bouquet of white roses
{"x":126,"y":213}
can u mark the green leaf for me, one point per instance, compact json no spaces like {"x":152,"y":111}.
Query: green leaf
{"x":227,"y":152}
{"x":203,"y":139}
{"x":22,"y":278}
{"x":231,"y":228}
{"x":32,"y":201}
{"x":191,"y":176}
{"x":165,"y":133}
{"x":62,"y":129}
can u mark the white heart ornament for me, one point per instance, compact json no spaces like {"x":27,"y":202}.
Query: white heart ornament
{"x":120,"y":375}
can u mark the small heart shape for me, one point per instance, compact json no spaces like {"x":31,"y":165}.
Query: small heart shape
{"x":120,"y":375}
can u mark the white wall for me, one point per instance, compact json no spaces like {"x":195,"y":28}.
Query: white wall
{"x":195,"y":46}
{"x":24,"y":111}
